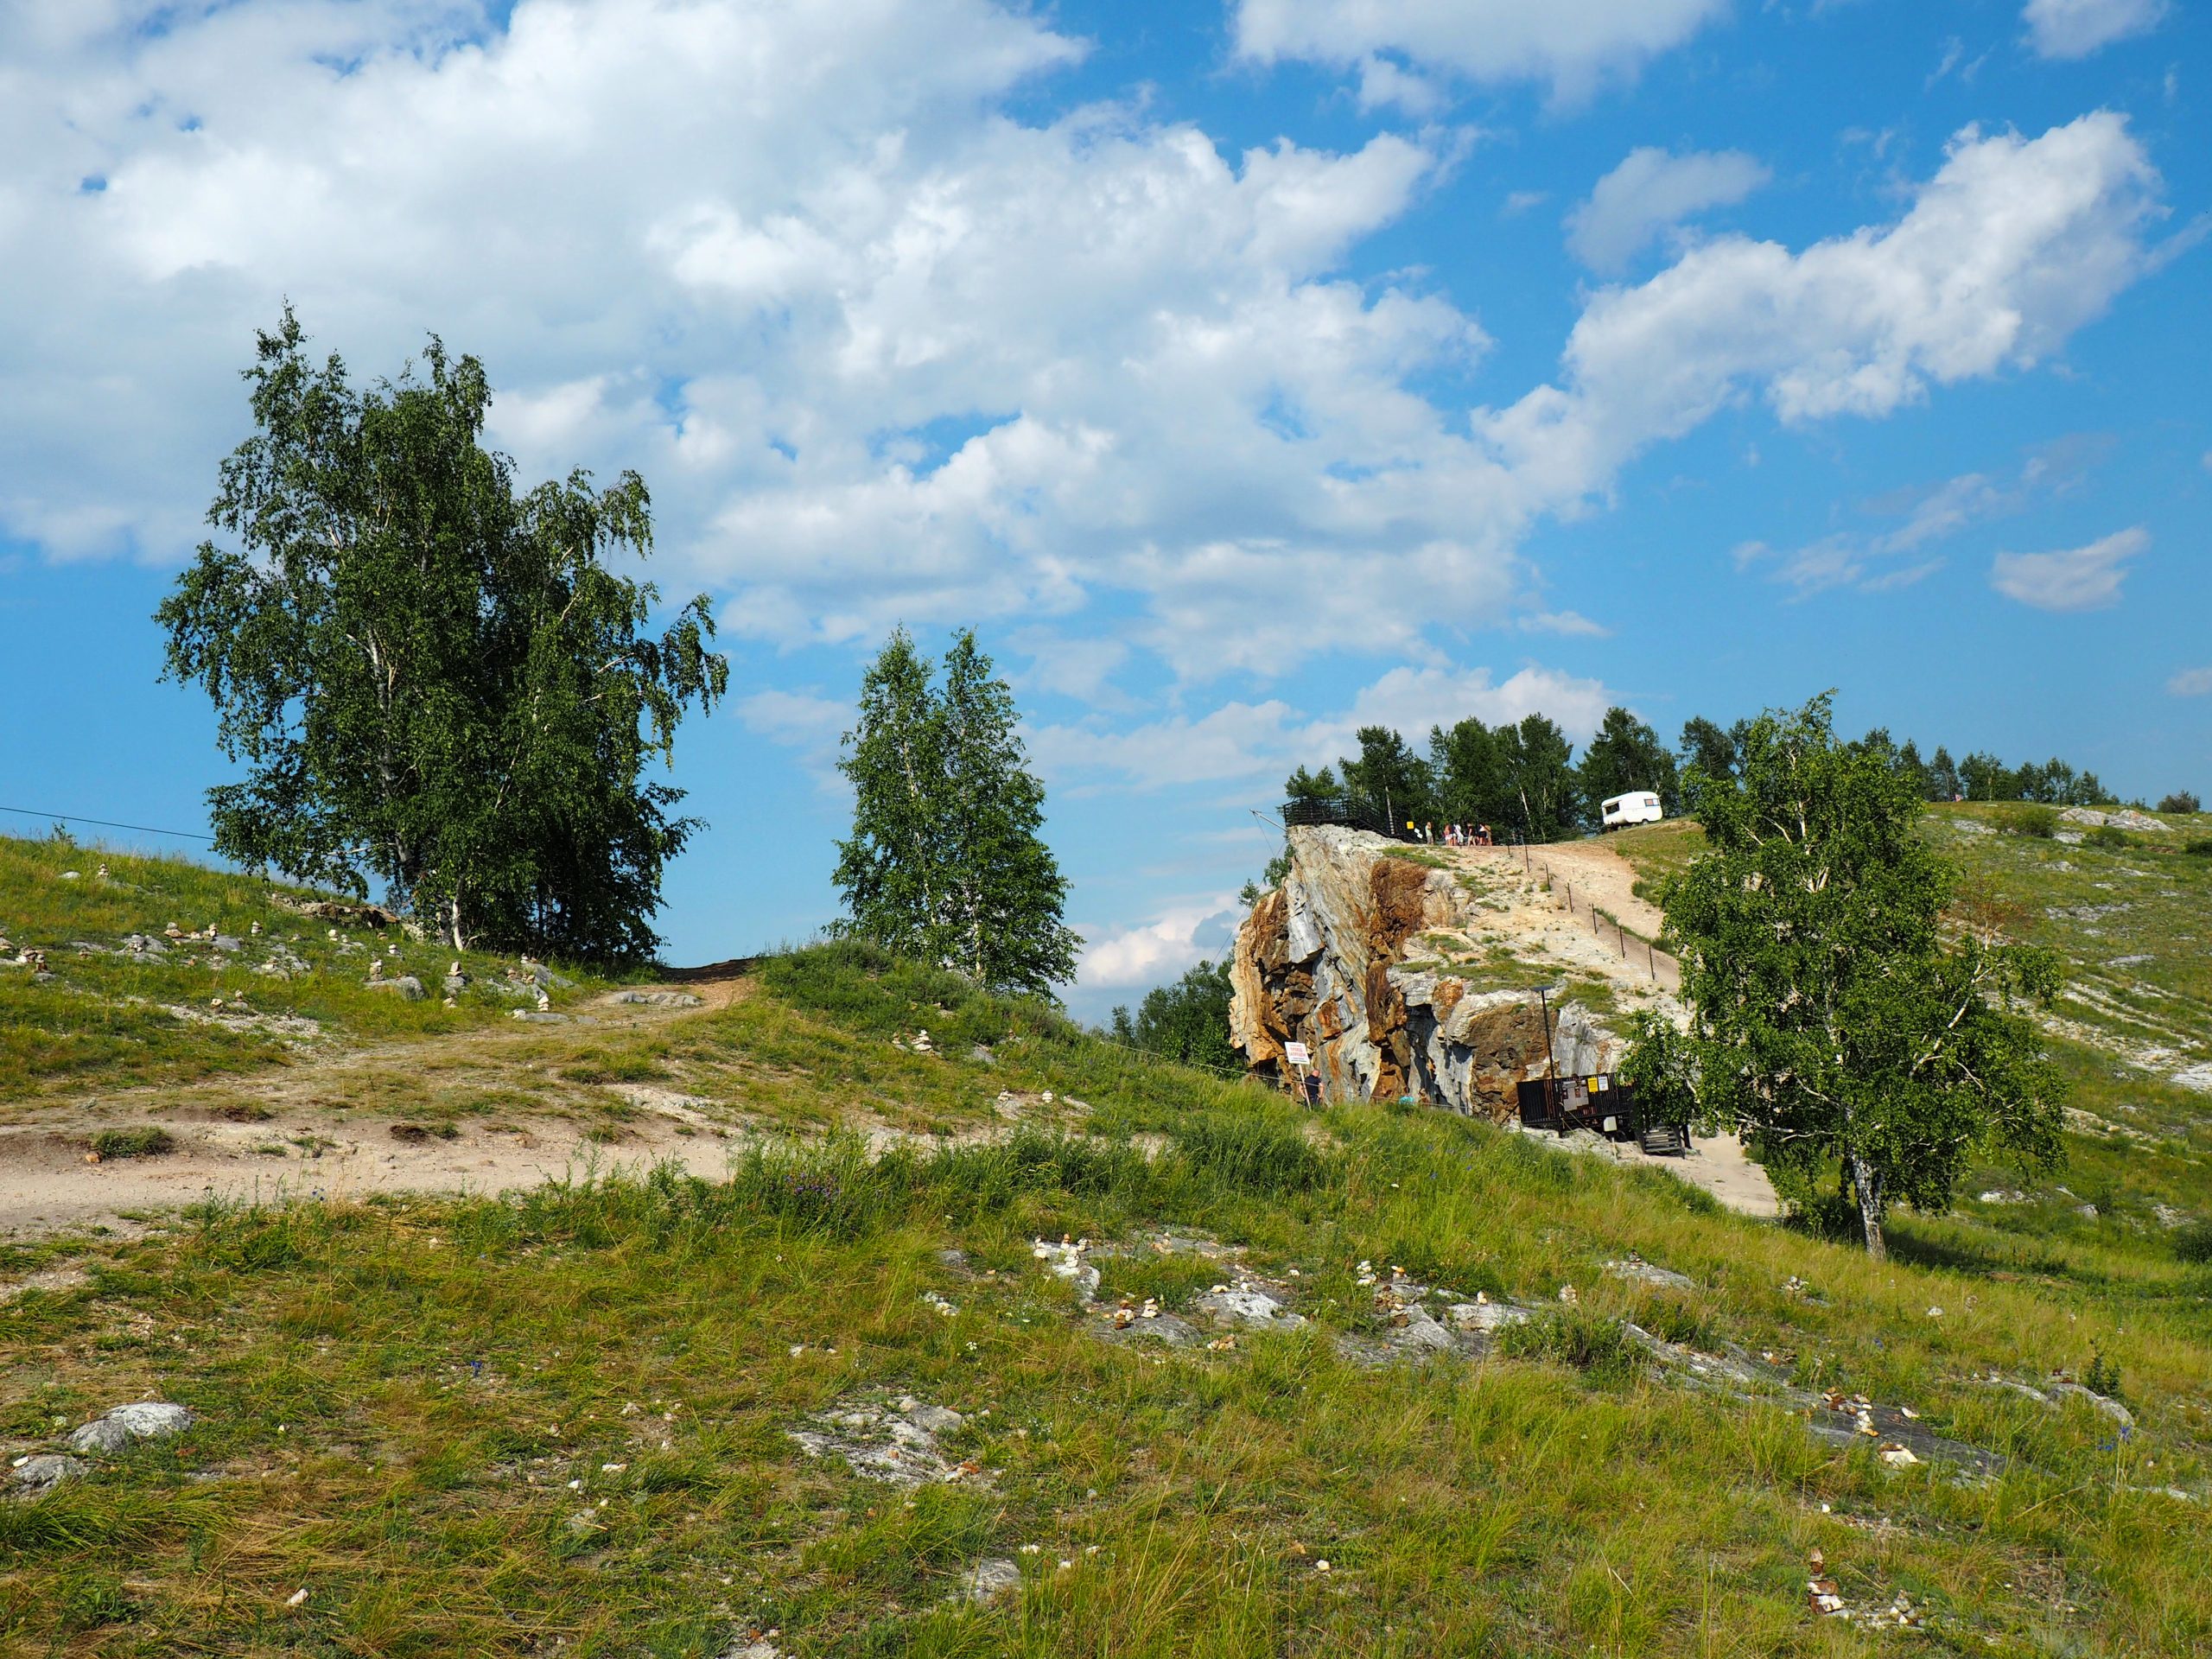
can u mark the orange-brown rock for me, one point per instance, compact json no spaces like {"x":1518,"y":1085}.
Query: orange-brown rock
{"x":1323,"y":960}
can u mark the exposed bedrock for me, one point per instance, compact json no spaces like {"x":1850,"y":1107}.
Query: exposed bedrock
{"x":1327,"y":959}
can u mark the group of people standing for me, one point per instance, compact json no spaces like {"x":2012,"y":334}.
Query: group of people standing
{"x":1455,"y":834}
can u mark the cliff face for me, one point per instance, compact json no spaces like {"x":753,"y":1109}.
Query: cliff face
{"x":1326,"y":959}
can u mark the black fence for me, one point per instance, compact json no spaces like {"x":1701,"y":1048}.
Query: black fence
{"x":1602,"y":1104}
{"x":1352,"y":813}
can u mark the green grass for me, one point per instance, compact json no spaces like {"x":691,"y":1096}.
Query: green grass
{"x":142,"y":1142}
{"x":108,"y":1021}
{"x":1419,"y":855}
{"x":395,"y":1397}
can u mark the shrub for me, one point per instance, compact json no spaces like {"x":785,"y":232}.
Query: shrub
{"x":1597,"y":1347}
{"x":2193,"y":1244}
{"x":2102,"y":1376}
{"x":2182,"y":800}
{"x":2041,"y":822}
{"x":2201,"y":847}
{"x":147,"y":1143}
{"x":2107,"y":837}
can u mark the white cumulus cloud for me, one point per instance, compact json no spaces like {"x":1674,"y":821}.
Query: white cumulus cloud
{"x":2078,"y":579}
{"x":1651,"y":192}
{"x":1572,"y":44}
{"x":2074,"y":29}
{"x":2192,"y":683}
{"x":2013,"y":245}
{"x":887,"y":351}
{"x":1150,"y":953}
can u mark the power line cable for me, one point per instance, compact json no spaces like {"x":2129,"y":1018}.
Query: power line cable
{"x":108,"y":823}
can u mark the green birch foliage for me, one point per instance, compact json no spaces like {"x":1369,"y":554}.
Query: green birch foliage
{"x":1841,"y":1013}
{"x":1187,"y":1019}
{"x":946,"y":862}
{"x":431,"y":680}
{"x":891,"y":873}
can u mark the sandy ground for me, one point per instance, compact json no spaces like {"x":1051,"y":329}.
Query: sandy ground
{"x":1601,"y":876}
{"x":1716,"y":1163}
{"x":1537,"y":925}
{"x":47,"y":1185}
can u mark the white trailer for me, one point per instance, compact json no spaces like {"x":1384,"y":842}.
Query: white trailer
{"x":1641,"y":807}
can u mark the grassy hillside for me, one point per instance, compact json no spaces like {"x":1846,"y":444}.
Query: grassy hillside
{"x":564,"y":1422}
{"x":2131,"y":915}
{"x":109,"y":1021}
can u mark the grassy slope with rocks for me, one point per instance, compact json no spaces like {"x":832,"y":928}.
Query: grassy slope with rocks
{"x":563,"y":1420}
{"x":106,"y":1020}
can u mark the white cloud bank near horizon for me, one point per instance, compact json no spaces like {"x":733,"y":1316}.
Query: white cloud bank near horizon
{"x":1136,"y":958}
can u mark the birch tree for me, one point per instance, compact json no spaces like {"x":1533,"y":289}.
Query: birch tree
{"x":947,"y":861}
{"x":428,"y":678}
{"x":1843,"y":1012}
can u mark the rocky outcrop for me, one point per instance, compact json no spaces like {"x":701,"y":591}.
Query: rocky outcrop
{"x":2125,"y":818}
{"x":1345,"y":957}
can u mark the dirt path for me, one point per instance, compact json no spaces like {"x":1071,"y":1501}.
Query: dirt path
{"x":1540,"y":926}
{"x":1562,"y":895}
{"x":46,"y":1185}
{"x":1716,"y":1163}
{"x":274,"y":1134}
{"x":1601,"y":876}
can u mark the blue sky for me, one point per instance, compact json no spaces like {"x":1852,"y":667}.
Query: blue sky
{"x":1241,"y":372}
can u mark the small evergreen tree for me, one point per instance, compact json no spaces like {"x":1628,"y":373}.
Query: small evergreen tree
{"x":1539,"y":765}
{"x":1390,"y":777}
{"x":1706,"y":746}
{"x":1625,"y":757}
{"x":945,"y":862}
{"x":1943,"y":777}
{"x":1472,"y":786}
{"x":1983,"y":776}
